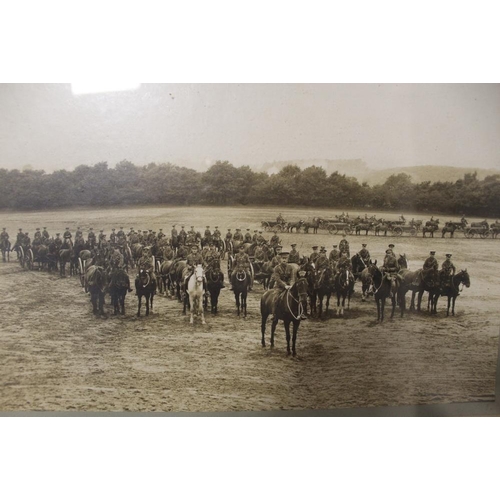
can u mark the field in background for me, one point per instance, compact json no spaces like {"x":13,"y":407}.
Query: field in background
{"x":57,"y":356}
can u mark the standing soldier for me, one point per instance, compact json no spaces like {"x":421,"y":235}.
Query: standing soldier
{"x":447,"y":270}
{"x":45,"y":233}
{"x":242,"y":263}
{"x":293,"y":257}
{"x":334,"y":256}
{"x":38,"y":234}
{"x":314,"y":255}
{"x":344,"y":245}
{"x":364,"y":254}
{"x":91,"y":238}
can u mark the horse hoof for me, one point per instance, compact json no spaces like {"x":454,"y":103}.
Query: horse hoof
{"x":294,"y":354}
{"x":288,"y":353}
{"x":138,"y":315}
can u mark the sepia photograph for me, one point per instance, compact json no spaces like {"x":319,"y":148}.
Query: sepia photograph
{"x":180,"y":248}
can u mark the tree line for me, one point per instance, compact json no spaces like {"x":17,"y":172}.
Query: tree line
{"x":224,"y":184}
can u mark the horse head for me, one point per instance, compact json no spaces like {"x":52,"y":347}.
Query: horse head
{"x":403,"y":261}
{"x":464,"y":277}
{"x":198,"y":273}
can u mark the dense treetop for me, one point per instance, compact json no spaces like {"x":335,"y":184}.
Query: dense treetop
{"x":224,"y":184}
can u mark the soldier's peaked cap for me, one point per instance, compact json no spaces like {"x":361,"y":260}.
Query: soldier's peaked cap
{"x":38,"y":229}
{"x":67,"y":228}
{"x":363,"y":244}
{"x":294,"y":244}
{"x":283,"y":253}
{"x":448,"y":255}
{"x":314,"y":247}
{"x":391,"y":245}
{"x":432,"y":252}
{"x":387,"y":251}
{"x":335,"y":246}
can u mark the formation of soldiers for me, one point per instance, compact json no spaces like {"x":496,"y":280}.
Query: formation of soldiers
{"x":209,"y":249}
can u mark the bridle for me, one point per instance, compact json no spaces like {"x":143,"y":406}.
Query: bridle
{"x":302,"y":296}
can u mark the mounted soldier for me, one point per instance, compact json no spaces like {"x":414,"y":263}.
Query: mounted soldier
{"x":254,"y":237}
{"x":130,"y":233}
{"x":58,"y":241}
{"x":102,"y":239}
{"x":344,"y":245}
{"x":293,"y":256}
{"x":364,"y":254}
{"x":248,"y":237}
{"x":334,"y":256}
{"x":344,"y":263}
{"x":45,"y":233}
{"x":242,"y":263}
{"x":275,"y":240}
{"x":112,"y":236}
{"x":322,"y":262}
{"x":38,"y":234}
{"x":67,"y":234}
{"x":238,"y":236}
{"x":260,"y":238}
{"x":259,"y":255}
{"x":391,"y":268}
{"x":208,"y":235}
{"x":229,"y":235}
{"x":182,"y":236}
{"x":448,"y":270}
{"x":391,"y":249}
{"x":4,"y":236}
{"x":78,"y":233}
{"x":217,"y":234}
{"x":121,"y":233}
{"x":314,"y":255}
{"x":280,"y":219}
{"x":282,"y":277}
{"x":193,"y":259}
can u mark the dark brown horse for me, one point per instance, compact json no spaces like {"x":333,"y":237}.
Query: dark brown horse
{"x":215,"y":280}
{"x":5,"y":248}
{"x":344,"y":287}
{"x":119,"y":285}
{"x":288,"y":306}
{"x":452,"y":289}
{"x":240,"y":283}
{"x":383,"y":288}
{"x":95,"y":283}
{"x":324,"y":286}
{"x":145,"y":286}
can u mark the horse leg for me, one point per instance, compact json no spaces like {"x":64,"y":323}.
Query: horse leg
{"x":93,"y":299}
{"x":327,"y":302}
{"x":263,"y":327}
{"x":320,"y":305}
{"x":194,"y":305}
{"x":200,"y":309}
{"x":273,"y":329}
{"x":101,"y":303}
{"x":139,"y":299}
{"x":419,"y":300}
{"x":146,"y":300}
{"x":237,"y":297}
{"x":122,"y":302}
{"x":244,"y":303}
{"x":343,"y":304}
{"x":152,"y":297}
{"x":453,"y":305}
{"x":338,"y":304}
{"x":393,"y":305}
{"x":287,"y":331}
{"x":294,"y":338}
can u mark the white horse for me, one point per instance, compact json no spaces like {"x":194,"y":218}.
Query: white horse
{"x":196,"y":291}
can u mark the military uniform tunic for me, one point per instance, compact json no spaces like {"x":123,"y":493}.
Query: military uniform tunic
{"x":293,"y":257}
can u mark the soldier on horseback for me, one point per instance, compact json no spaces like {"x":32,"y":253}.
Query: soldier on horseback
{"x":314,"y":255}
{"x":238,"y":236}
{"x":364,"y":254}
{"x":280,"y":219}
{"x":344,"y":263}
{"x":193,"y":259}
{"x":448,"y":270}
{"x":58,"y":241}
{"x":78,"y":233}
{"x":67,"y":234}
{"x":38,"y":234}
{"x":334,"y":256}
{"x":321,"y":262}
{"x":275,"y":240}
{"x":391,"y":268}
{"x":208,"y":235}
{"x":216,"y":234}
{"x":91,"y":238}
{"x":344,"y":245}
{"x":4,"y":236}
{"x":260,"y":238}
{"x":391,"y":249}
{"x":294,"y":257}
{"x":282,"y":277}
{"x":45,"y":233}
{"x":242,"y":263}
{"x":248,"y":237}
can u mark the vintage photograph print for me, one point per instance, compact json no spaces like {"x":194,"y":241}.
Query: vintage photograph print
{"x":253,"y":247}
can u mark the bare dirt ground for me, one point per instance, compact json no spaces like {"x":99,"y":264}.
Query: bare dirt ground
{"x":57,"y":356}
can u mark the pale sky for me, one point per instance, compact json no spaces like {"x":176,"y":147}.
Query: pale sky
{"x":385,"y":125}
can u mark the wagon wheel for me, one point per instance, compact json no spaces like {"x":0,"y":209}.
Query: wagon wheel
{"x":485,"y":234}
{"x":472,"y":233}
{"x":280,"y":227}
{"x":21,"y":256}
{"x":348,"y":230}
{"x":332,"y":229}
{"x":397,"y":231}
{"x":266,"y":226}
{"x":413,"y":232}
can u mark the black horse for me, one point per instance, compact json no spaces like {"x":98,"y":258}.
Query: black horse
{"x":344,"y":287}
{"x":452,"y":289}
{"x":287,"y":306}
{"x":215,"y":280}
{"x":323,"y":287}
{"x":119,"y":285}
{"x":240,"y":283}
{"x":383,"y":288}
{"x":145,"y":286}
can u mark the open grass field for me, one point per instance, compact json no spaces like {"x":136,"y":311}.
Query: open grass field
{"x":57,"y":356}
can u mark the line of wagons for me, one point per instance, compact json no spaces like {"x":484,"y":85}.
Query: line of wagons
{"x":386,"y":227}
